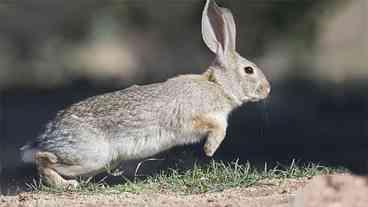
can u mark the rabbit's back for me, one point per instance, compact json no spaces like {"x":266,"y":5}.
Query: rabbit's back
{"x":107,"y":109}
{"x":163,"y":104}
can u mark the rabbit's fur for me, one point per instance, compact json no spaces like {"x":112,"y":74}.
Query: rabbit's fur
{"x":141,"y":121}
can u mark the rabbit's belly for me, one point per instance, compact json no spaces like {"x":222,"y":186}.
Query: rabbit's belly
{"x":143,"y":143}
{"x":150,"y":142}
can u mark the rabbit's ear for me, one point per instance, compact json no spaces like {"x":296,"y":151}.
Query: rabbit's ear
{"x":218,"y":29}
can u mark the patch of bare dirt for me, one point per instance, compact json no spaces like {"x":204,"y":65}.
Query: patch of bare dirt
{"x":334,"y":191}
{"x":270,"y":193}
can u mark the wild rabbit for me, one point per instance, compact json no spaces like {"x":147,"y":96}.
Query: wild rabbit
{"x":141,"y":121}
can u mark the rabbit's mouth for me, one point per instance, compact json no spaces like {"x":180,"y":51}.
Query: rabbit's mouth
{"x":251,"y":99}
{"x":255,"y":99}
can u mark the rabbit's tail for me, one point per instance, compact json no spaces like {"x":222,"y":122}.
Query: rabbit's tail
{"x":27,"y":153}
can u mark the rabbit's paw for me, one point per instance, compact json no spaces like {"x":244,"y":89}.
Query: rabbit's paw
{"x":209,"y":150}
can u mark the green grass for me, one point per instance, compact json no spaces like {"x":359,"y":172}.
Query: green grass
{"x":210,"y":177}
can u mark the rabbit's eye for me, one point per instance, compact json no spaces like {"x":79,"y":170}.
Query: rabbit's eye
{"x":249,"y":70}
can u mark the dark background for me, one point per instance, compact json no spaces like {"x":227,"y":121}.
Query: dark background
{"x":55,"y":53}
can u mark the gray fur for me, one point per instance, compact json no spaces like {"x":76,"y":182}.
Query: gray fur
{"x":141,"y":121}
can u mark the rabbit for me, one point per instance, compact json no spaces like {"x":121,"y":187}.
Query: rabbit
{"x":141,"y":121}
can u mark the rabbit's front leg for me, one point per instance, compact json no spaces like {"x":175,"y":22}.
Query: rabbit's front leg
{"x":215,"y":126}
{"x":213,"y":141}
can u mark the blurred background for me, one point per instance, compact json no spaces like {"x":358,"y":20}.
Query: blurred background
{"x":315,"y":54}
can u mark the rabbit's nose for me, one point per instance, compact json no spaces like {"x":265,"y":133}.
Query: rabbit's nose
{"x":264,"y":89}
{"x":268,"y":88}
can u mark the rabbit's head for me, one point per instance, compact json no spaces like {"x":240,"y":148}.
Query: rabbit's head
{"x":241,"y":79}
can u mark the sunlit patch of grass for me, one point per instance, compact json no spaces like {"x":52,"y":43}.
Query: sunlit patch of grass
{"x":210,"y":177}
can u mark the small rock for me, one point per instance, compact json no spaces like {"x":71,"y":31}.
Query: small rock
{"x":22,"y":198}
{"x":283,"y":191}
{"x":210,"y":200}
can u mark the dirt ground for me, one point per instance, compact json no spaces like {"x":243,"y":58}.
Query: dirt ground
{"x":271,"y":193}
{"x":337,"y":190}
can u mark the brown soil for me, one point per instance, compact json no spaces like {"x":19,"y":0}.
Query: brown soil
{"x":334,"y":191}
{"x":270,"y":193}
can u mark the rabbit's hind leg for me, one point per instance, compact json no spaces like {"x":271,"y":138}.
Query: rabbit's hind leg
{"x":45,"y":161}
